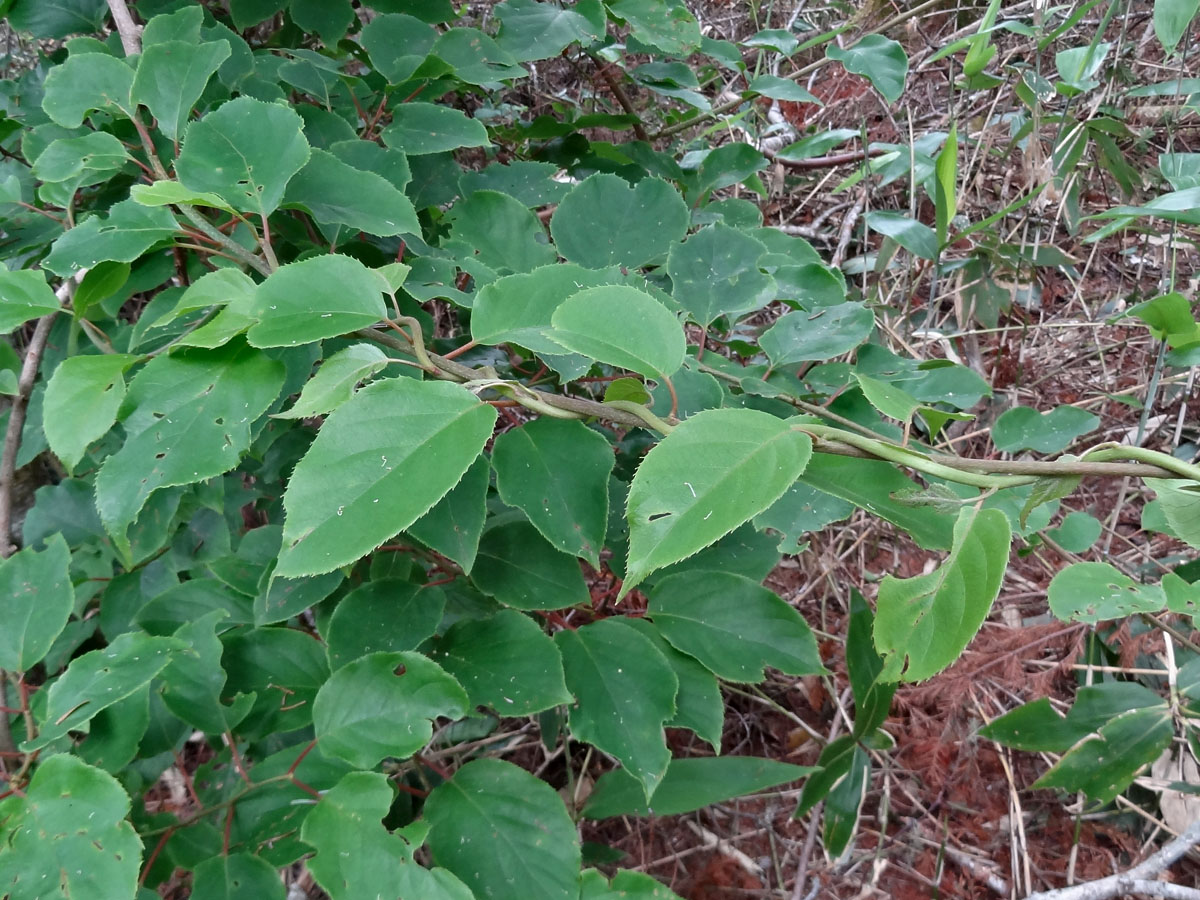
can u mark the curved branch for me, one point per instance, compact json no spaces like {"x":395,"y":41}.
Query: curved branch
{"x":130,"y":31}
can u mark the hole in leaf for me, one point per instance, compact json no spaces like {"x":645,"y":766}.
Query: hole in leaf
{"x":654,"y":517}
{"x":399,"y":670}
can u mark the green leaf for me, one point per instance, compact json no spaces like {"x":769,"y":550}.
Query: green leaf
{"x":236,"y":876}
{"x":518,"y":308}
{"x":275,"y":663}
{"x":357,"y":857}
{"x":1181,"y":505}
{"x":245,"y":151}
{"x":624,"y":693}
{"x":781,"y":89}
{"x":186,"y":418}
{"x":382,"y":705}
{"x":454,"y":525}
{"x":698,"y":704}
{"x":24,"y":295}
{"x":500,"y":232}
{"x":880,"y":59}
{"x":605,"y":222}
{"x":665,"y":25}
{"x":82,"y":400}
{"x":689,"y":784}
{"x":728,"y":165}
{"x":397,"y":44}
{"x":247,"y":13}
{"x":622,"y":326}
{"x":1171,"y":21}
{"x":532,"y":30}
{"x":505,"y":662}
{"x":172,"y":75}
{"x":1104,"y":764}
{"x":68,"y":835}
{"x":381,"y":460}
{"x":1094,"y":592}
{"x":1038,"y":727}
{"x":822,"y":334}
{"x":336,"y":380}
{"x":817,"y":144}
{"x":1077,"y":532}
{"x":505,"y":833}
{"x":99,"y":679}
{"x":800,"y":510}
{"x":319,"y":297}
{"x":127,"y":232}
{"x":556,"y":471}
{"x":58,"y":19}
{"x":733,"y":625}
{"x":96,"y":153}
{"x":713,"y":472}
{"x":474,"y":57}
{"x":929,"y":620}
{"x":100,"y":283}
{"x":518,"y":567}
{"x":946,"y":185}
{"x":422,"y":128}
{"x":38,"y":599}
{"x":335,"y":192}
{"x":194,"y":682}
{"x":715,"y":272}
{"x":1024,"y":428}
{"x":387,"y":614}
{"x":844,"y":802}
{"x":1046,"y":490}
{"x":164,"y":193}
{"x":626,"y":885}
{"x":1169,"y":317}
{"x":84,"y":83}
{"x":331,"y":19}
{"x":915,"y":237}
{"x":871,"y":484}
{"x":872,"y":698}
{"x":283,"y":598}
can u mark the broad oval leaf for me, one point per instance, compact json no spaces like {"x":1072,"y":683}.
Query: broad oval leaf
{"x":715,"y":272}
{"x":713,"y":472}
{"x":1180,"y":503}
{"x":382,"y":705}
{"x":316,"y":298}
{"x":689,"y":784}
{"x":532,"y":30}
{"x":82,"y":400}
{"x":521,"y":569}
{"x":385,"y":615}
{"x":505,"y":833}
{"x":500,"y":232}
{"x":423,"y":128}
{"x":881,"y":59}
{"x":915,"y":237}
{"x":455,"y":523}
{"x":245,"y":151}
{"x":518,"y":308}
{"x":556,"y":471}
{"x":336,"y":192}
{"x":605,"y":222}
{"x":733,"y":625}
{"x":357,"y":857}
{"x":1024,"y":428}
{"x":621,"y":326}
{"x":821,"y":334}
{"x":336,"y":380}
{"x":87,"y":82}
{"x":24,"y":295}
{"x":99,"y":679}
{"x":189,"y":419}
{"x":172,"y":75}
{"x":624,"y":694}
{"x":128,"y":231}
{"x":505,"y":662}
{"x":1095,"y":591}
{"x":381,"y":460}
{"x":69,"y":825}
{"x":38,"y":599}
{"x":236,"y":875}
{"x":929,"y":620}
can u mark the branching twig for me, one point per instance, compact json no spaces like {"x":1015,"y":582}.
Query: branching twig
{"x":1140,"y":880}
{"x":131,"y":34}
